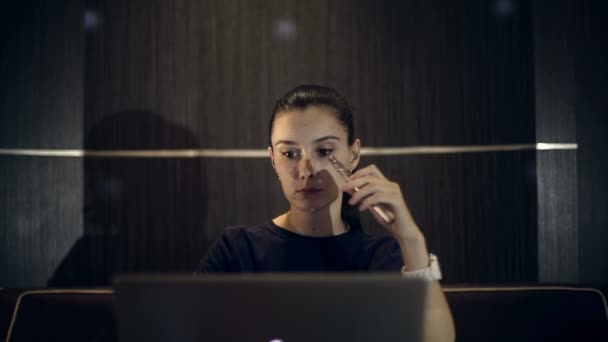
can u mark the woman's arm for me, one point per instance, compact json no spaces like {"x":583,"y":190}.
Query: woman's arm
{"x":437,"y":320}
{"x":374,"y":189}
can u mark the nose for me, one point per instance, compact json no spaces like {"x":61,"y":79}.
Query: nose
{"x":305,"y":168}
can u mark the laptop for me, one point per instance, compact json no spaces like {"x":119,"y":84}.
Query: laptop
{"x":270,"y":307}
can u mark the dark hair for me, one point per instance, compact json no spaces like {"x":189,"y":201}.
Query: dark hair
{"x":306,"y":95}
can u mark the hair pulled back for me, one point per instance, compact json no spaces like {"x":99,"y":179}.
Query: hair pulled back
{"x":307,"y":95}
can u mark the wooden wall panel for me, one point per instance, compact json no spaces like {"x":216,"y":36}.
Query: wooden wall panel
{"x":204,"y":74}
{"x":477,"y":211}
{"x":591,"y":127}
{"x":41,"y":72}
{"x":172,"y":209}
{"x":570,"y":51}
{"x":558,"y":231}
{"x":140,"y":215}
{"x":555,"y":93}
{"x":41,"y":107}
{"x":41,"y":216}
{"x":419,"y":72}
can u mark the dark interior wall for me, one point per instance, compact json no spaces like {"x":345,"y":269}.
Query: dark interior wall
{"x":570,"y":83}
{"x":41,"y":107}
{"x":416,"y":70}
{"x":591,"y":126}
{"x":555,"y":32}
{"x":419,"y":73}
{"x":193,"y":74}
{"x":41,"y":91}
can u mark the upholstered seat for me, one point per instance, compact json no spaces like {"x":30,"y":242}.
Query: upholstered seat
{"x":63,"y":315}
{"x":539,"y":313}
{"x":486,"y":313}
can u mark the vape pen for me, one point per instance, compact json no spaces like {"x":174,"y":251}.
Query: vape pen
{"x":383,"y":212}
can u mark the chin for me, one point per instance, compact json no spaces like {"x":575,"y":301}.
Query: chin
{"x":311,"y":206}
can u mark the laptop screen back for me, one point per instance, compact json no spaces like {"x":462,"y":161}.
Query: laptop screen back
{"x":270,"y":307}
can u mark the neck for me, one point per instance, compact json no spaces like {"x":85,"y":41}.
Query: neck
{"x":317,"y":223}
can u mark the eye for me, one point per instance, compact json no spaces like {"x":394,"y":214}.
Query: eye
{"x":324,"y":152}
{"x":290,"y":154}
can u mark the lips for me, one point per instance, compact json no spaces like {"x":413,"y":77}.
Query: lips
{"x":309,"y":190}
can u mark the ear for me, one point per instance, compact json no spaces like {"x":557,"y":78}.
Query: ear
{"x":355,"y":151}
{"x":271,"y":157}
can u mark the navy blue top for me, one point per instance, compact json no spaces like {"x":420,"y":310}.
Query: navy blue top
{"x":269,"y":248}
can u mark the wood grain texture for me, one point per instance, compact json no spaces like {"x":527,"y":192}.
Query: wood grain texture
{"x":555,"y":29}
{"x":591,"y":127}
{"x":558,"y":231}
{"x":41,"y":216}
{"x":41,"y":106}
{"x":162,"y":215}
{"x":42,"y":69}
{"x":419,"y":73}
{"x":140,"y":215}
{"x":205,"y":74}
{"x":555,"y":48}
{"x":477,"y":211}
{"x":570,"y":75}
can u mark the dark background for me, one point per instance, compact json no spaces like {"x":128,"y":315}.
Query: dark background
{"x":189,"y":74}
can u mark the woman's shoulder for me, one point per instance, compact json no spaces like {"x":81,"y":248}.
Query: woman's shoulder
{"x":232,"y":249}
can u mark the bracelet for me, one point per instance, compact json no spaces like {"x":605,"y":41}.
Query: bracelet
{"x":432,"y":272}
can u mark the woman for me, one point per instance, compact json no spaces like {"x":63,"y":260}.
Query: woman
{"x":321,"y":231}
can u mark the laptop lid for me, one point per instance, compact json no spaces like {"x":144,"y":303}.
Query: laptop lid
{"x":269,"y":307}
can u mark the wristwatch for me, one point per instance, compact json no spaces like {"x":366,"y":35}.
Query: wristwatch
{"x":432,"y":272}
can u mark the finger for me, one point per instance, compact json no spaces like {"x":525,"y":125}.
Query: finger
{"x":356,"y":183}
{"x":391,"y":194}
{"x":362,"y":180}
{"x":364,"y":192}
{"x":375,"y":199}
{"x":364,"y":184}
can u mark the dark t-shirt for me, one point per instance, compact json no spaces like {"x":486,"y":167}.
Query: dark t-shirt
{"x":269,"y":248}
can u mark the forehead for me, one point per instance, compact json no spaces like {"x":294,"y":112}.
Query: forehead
{"x":306,"y":125}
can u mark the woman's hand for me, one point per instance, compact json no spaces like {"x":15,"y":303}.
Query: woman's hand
{"x":375,"y":189}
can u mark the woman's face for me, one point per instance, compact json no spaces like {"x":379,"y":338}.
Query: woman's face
{"x":302,"y":139}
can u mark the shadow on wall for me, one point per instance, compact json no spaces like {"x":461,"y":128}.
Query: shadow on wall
{"x":140,"y":214}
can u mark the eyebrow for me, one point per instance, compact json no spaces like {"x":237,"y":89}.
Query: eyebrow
{"x":289,"y":142}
